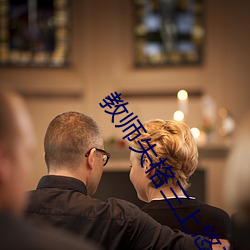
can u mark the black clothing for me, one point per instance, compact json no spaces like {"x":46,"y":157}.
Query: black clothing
{"x":16,"y":234}
{"x":115,"y":224}
{"x":240,"y":231}
{"x":208,"y":215}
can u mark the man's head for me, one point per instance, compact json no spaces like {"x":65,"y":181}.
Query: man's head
{"x":16,"y":149}
{"x":71,"y":148}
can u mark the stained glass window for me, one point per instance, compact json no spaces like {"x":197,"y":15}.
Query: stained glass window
{"x":168,"y":32}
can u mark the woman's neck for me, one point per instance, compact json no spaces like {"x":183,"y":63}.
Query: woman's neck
{"x":155,"y":193}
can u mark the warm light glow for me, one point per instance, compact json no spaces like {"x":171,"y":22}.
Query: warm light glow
{"x":182,"y":95}
{"x":178,"y":116}
{"x":195,"y":132}
{"x":223,"y":113}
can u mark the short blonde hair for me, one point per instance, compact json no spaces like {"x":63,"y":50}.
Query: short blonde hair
{"x":175,"y":142}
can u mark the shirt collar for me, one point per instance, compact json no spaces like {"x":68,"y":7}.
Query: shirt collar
{"x":173,"y":197}
{"x":62,"y":182}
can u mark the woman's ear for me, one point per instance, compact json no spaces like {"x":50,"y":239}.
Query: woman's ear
{"x":146,"y":165}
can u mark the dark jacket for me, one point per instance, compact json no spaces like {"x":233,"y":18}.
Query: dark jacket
{"x":16,"y":234}
{"x":115,"y":224}
{"x":208,"y":216}
{"x":239,"y":235}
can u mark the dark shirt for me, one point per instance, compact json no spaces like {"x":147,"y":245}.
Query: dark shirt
{"x":16,"y":234}
{"x":115,"y":224}
{"x":240,"y":231}
{"x":208,"y":216}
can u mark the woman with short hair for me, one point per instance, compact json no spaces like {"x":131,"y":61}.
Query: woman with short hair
{"x":164,"y":187}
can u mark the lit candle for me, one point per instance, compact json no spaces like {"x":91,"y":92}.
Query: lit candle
{"x":199,"y":136}
{"x":178,"y":116}
{"x":195,"y":132}
{"x":182,"y":97}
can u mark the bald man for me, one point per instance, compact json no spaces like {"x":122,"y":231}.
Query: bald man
{"x":16,"y":148}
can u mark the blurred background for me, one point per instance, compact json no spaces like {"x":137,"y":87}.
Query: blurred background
{"x":97,"y":49}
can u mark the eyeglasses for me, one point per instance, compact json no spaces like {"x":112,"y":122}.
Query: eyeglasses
{"x":105,"y":155}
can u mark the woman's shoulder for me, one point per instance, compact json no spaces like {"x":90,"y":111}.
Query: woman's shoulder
{"x":155,"y":205}
{"x":214,"y":211}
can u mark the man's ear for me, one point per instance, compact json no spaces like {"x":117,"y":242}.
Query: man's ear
{"x":91,"y":159}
